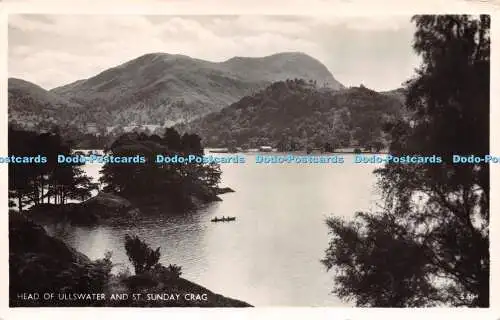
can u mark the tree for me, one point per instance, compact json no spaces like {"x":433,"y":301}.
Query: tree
{"x":172,"y":139}
{"x":328,"y":147}
{"x":430,"y":243}
{"x":35,"y":183}
{"x":376,"y":258}
{"x":142,"y":257}
{"x":175,"y":270}
{"x":174,"y":184}
{"x":81,"y":187}
{"x":191,"y":144}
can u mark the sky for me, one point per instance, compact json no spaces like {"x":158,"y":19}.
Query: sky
{"x":53,"y":50}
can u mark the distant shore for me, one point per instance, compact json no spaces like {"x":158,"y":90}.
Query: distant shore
{"x":253,"y":150}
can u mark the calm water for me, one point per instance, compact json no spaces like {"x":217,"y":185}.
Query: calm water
{"x":269,"y":256}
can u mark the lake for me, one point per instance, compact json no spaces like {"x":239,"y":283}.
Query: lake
{"x":269,"y":256}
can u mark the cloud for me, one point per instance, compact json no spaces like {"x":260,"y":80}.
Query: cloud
{"x":366,"y":23}
{"x":292,"y":26}
{"x":53,"y":50}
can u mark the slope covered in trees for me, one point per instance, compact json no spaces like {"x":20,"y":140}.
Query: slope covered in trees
{"x":31,"y":105}
{"x":38,"y":183}
{"x":296,"y":114}
{"x":162,"y":89}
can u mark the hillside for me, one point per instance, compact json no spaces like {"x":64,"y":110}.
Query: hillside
{"x":30,"y":104}
{"x":295,"y":114}
{"x":40,"y":263}
{"x":163,"y":89}
{"x":398,"y":94}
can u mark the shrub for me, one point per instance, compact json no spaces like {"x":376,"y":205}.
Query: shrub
{"x":175,"y":270}
{"x":100,"y":272}
{"x":140,"y":254}
{"x":141,"y":281}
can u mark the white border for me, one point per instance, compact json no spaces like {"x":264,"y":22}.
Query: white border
{"x":275,"y":7}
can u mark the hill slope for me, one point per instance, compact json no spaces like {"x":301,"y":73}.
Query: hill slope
{"x":397,"y":94}
{"x":30,"y":104}
{"x":293,"y":115}
{"x":160,"y":88}
{"x":41,"y":263}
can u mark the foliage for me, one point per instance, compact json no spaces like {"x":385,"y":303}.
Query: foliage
{"x":430,"y":244}
{"x":175,"y":270}
{"x":40,"y":263}
{"x":387,"y":269}
{"x":99,"y":272}
{"x":38,"y":183}
{"x":171,"y":183}
{"x":294,"y":115}
{"x":142,"y":257}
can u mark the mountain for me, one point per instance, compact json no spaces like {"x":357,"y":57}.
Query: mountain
{"x":33,"y":108}
{"x":296,"y":114}
{"x":160,"y":88}
{"x":30,"y":104}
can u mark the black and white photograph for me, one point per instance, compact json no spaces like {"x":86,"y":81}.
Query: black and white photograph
{"x":249,"y":160}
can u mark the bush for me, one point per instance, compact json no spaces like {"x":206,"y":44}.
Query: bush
{"x":142,"y":257}
{"x":175,"y":270}
{"x":166,"y":274}
{"x":141,"y":281}
{"x":100,"y":272}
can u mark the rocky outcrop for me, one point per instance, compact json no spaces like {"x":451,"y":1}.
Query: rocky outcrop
{"x":158,"y":288}
{"x":109,"y":206}
{"x":27,"y":236}
{"x":39,"y":263}
{"x":103,"y":208}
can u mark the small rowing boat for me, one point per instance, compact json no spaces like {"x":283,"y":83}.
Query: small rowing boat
{"x":223,"y":219}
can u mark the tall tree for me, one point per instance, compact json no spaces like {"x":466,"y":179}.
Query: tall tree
{"x":430,"y":244}
{"x":36,"y":183}
{"x":172,"y":139}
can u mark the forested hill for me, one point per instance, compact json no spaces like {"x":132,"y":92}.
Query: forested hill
{"x":31,"y":105}
{"x":296,"y":114}
{"x":163,"y":89}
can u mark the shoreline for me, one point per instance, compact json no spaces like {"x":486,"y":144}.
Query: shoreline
{"x":57,"y":257}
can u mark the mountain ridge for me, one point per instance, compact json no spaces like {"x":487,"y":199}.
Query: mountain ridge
{"x":176,"y":88}
{"x":156,"y":55}
{"x":162,"y":89}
